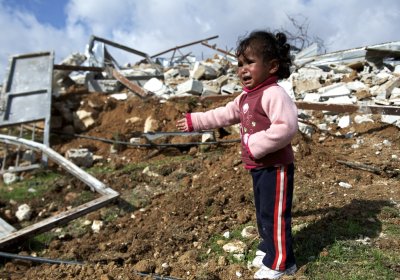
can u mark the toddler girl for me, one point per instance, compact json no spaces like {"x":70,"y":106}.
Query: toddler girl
{"x":268,"y":122}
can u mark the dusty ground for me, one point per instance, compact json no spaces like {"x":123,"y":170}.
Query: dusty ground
{"x":199,"y":194}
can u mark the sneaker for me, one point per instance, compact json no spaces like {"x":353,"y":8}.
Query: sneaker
{"x":267,"y":273}
{"x":257,"y":261}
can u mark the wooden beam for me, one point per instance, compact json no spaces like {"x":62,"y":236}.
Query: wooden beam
{"x":185,"y":45}
{"x":350,"y":108}
{"x":77,"y":68}
{"x":107,"y":193}
{"x":55,"y":221}
{"x":130,"y":85}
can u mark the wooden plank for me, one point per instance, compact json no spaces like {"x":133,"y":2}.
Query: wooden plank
{"x":77,"y":68}
{"x":5,"y":228}
{"x":55,"y":221}
{"x":131,"y":86}
{"x":64,"y":217}
{"x":350,"y":108}
{"x":70,"y":167}
{"x":338,"y":108}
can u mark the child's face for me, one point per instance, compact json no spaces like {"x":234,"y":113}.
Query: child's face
{"x":253,"y":71}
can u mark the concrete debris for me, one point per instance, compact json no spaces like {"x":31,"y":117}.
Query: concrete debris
{"x":80,"y":157}
{"x":24,"y":212}
{"x":249,"y":232}
{"x":10,"y":178}
{"x":365,"y":76}
{"x":97,"y":226}
{"x":235,"y":247}
{"x":345,"y":185}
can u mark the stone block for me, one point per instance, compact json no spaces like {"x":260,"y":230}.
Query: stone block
{"x":80,"y":157}
{"x":83,"y":120}
{"x":190,"y":86}
{"x":307,"y":85}
{"x":198,"y":72}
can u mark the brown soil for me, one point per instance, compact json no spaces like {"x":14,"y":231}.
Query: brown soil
{"x":203,"y":192}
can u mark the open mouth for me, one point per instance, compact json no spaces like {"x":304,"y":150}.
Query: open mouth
{"x":246,"y":78}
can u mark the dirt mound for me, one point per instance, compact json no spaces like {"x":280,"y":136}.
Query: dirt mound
{"x":168,"y":221}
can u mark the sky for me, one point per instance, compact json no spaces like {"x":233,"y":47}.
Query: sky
{"x":153,"y":26}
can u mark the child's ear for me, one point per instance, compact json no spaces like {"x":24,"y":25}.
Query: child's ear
{"x":274,"y":66}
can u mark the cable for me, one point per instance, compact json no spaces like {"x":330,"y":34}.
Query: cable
{"x":37,"y":259}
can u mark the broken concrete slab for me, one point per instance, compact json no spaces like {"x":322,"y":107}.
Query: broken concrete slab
{"x":373,"y":55}
{"x":81,"y":157}
{"x":191,"y":86}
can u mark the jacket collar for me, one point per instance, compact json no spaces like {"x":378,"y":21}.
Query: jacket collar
{"x":270,"y":80}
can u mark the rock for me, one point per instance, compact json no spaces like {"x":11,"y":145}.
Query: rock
{"x":10,"y":178}
{"x":145,"y":266}
{"x":24,"y":212}
{"x":345,"y":185}
{"x":97,"y":225}
{"x":236,"y":247}
{"x":150,"y":125}
{"x":249,"y":232}
{"x":80,"y":157}
{"x":83,"y":119}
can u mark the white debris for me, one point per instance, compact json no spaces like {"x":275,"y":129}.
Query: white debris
{"x":226,"y":234}
{"x":165,"y":265}
{"x":236,"y":247}
{"x":147,"y":171}
{"x":83,"y":119}
{"x":249,"y":232}
{"x":10,"y":178}
{"x":387,"y":143}
{"x":190,"y":86}
{"x":119,"y":96}
{"x":334,"y":90}
{"x":207,"y":137}
{"x":363,"y":119}
{"x":395,"y":120}
{"x":308,"y":130}
{"x":238,"y":257}
{"x":312,"y":97}
{"x":23,"y":213}
{"x":97,"y":225}
{"x":150,"y":125}
{"x":356,"y":86}
{"x":345,"y":185}
{"x":156,"y":86}
{"x":344,"y":121}
{"x":80,"y":157}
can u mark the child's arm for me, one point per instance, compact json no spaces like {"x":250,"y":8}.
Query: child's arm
{"x":219,"y":117}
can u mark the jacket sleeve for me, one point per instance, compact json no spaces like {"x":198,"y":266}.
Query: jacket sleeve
{"x":219,"y":117}
{"x":282,"y":113}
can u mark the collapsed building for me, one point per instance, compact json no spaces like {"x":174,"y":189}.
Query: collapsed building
{"x":364,"y":80}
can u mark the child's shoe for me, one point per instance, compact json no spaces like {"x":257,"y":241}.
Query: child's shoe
{"x":267,"y":273}
{"x":257,"y":262}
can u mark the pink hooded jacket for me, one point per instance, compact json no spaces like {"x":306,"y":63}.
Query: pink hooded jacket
{"x":268,"y":122}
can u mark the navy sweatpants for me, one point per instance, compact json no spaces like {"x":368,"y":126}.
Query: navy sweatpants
{"x":273,"y":194}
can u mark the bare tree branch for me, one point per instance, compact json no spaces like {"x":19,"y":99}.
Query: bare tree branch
{"x":299,"y":37}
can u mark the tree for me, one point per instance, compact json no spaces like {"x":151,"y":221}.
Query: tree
{"x":299,"y":37}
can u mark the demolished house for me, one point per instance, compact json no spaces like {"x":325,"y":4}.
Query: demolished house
{"x":364,"y":80}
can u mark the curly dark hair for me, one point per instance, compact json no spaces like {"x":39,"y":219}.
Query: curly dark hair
{"x":270,"y":46}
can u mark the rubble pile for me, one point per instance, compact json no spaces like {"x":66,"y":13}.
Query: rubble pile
{"x":361,"y":81}
{"x":189,"y":199}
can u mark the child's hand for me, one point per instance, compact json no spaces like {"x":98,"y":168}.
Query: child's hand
{"x":182,"y":125}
